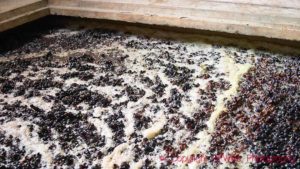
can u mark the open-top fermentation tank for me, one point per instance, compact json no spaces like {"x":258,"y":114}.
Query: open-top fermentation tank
{"x":193,"y":84}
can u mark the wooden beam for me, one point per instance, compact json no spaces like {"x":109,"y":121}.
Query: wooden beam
{"x":14,"y":13}
{"x":268,"y":18}
{"x":253,"y":18}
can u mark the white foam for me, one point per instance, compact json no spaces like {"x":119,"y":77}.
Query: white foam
{"x":155,"y":129}
{"x":19,"y":129}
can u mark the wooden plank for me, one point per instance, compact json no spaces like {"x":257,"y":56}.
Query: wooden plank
{"x":213,"y":25}
{"x":24,"y":18}
{"x":274,"y":3}
{"x":243,"y":17}
{"x":22,"y":9}
{"x":269,"y":18}
{"x":14,"y":13}
{"x":200,"y":5}
{"x":205,"y":10}
{"x":8,"y":5}
{"x":64,"y":2}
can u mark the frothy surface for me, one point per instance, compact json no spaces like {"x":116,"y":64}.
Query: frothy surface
{"x":97,"y":98}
